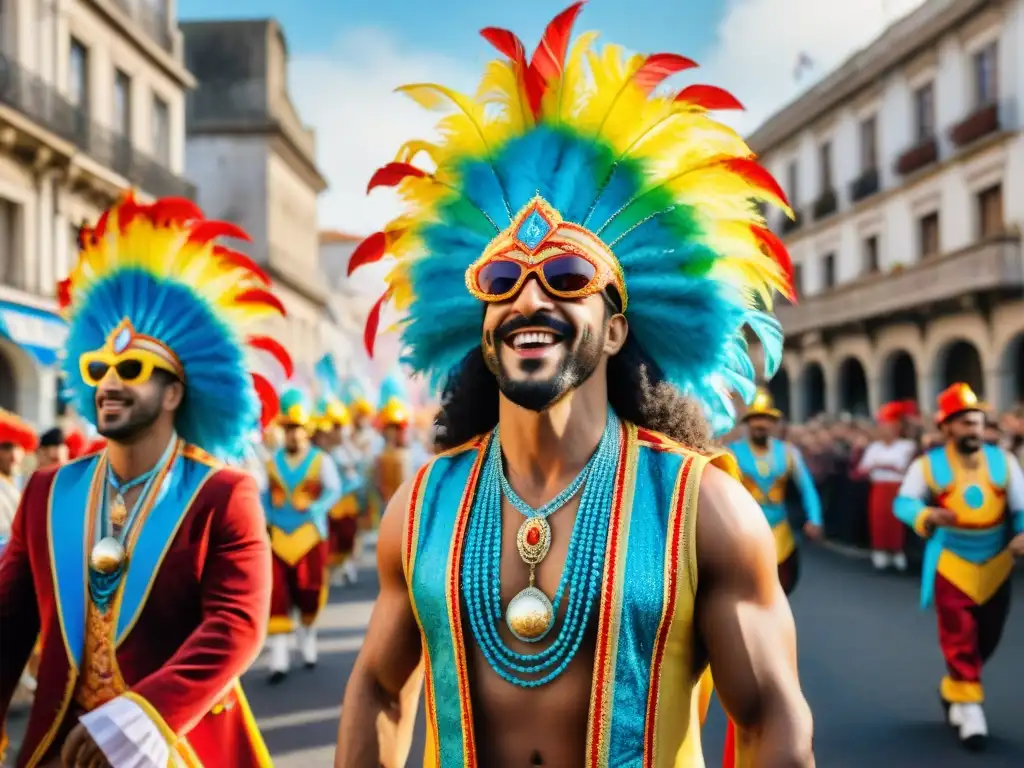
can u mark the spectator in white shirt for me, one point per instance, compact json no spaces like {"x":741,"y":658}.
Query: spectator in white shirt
{"x":885,"y":463}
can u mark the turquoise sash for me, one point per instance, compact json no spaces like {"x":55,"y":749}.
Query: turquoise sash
{"x":70,"y":496}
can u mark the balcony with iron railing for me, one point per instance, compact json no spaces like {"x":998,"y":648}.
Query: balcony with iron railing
{"x":153,"y":21}
{"x":865,"y":185}
{"x":826,"y":205}
{"x":40,"y":101}
{"x":982,"y":122}
{"x":989,"y":265}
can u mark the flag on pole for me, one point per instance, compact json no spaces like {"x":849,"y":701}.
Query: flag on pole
{"x":804,"y":63}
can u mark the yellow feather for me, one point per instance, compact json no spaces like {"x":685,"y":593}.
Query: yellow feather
{"x":565,"y":101}
{"x":500,"y":86}
{"x":714,"y":189}
{"x":683,"y":140}
{"x":467,"y":132}
{"x":422,"y":193}
{"x":409,"y":151}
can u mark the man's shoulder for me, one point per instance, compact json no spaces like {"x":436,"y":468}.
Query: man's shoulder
{"x":718,"y":457}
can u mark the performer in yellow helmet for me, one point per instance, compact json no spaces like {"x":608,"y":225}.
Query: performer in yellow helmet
{"x":303,"y":486}
{"x":579,"y":261}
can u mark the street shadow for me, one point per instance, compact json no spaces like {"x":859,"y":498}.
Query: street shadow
{"x":303,"y":689}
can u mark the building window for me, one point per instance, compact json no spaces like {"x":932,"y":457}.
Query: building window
{"x":6,"y":43}
{"x":78,"y":75}
{"x":161,"y":130}
{"x":792,"y":177}
{"x":798,"y":280}
{"x":871,"y":265}
{"x":122,"y":104}
{"x":10,"y":263}
{"x":986,"y":75}
{"x":924,"y":112}
{"x":828,"y":272}
{"x":928,"y":235}
{"x":868,"y":144}
{"x":990,"y":211}
{"x":825,"y":161}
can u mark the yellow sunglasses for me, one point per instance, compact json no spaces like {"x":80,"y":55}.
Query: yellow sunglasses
{"x":134,"y":366}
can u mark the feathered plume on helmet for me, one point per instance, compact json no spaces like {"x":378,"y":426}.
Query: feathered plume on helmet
{"x":152,"y":284}
{"x":661,"y":195}
{"x":394,"y":410}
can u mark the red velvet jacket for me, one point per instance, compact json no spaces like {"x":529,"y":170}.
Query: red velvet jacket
{"x":193,"y":611}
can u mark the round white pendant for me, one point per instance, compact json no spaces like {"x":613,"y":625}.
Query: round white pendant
{"x":107,"y":555}
{"x":529,"y":615}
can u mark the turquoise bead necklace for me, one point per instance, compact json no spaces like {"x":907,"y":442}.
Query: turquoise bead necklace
{"x":581,"y":576}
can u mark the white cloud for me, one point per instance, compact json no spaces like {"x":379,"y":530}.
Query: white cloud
{"x":759,"y":42}
{"x":348,"y":97}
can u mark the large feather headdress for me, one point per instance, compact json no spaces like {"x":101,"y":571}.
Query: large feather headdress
{"x":159,"y":268}
{"x":672,"y":193}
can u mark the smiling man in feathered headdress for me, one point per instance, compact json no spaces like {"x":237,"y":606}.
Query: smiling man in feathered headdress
{"x":577,"y":265}
{"x":146,"y":564}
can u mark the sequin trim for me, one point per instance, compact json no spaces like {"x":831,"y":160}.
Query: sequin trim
{"x":668,"y":614}
{"x":602,"y":692}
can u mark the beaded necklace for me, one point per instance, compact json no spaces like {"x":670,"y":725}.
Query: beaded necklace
{"x":582,"y":575}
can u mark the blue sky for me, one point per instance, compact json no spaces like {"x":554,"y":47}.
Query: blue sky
{"x":347,"y":57}
{"x":448,"y":26}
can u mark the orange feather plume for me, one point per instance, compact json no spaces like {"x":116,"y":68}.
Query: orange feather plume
{"x":392,"y":174}
{"x":275,"y":348}
{"x":658,"y":67}
{"x":708,"y":97}
{"x":370,"y":250}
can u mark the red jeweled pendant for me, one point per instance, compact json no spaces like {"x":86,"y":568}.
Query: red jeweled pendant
{"x":534,"y":540}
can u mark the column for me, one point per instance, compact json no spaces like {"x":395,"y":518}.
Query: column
{"x":45,"y":211}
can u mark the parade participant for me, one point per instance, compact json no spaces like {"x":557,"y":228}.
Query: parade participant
{"x":769,"y":468}
{"x":333,"y":421}
{"x":303,"y":485}
{"x":393,"y":464}
{"x":966,"y":498}
{"x":141,"y":657}
{"x":885,"y":462}
{"x":579,"y":270}
{"x":16,"y":439}
{"x":52,"y":451}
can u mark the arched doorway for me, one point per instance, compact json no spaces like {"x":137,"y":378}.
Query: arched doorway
{"x":1013,"y":371}
{"x":779,"y":388}
{"x":961,"y":361}
{"x":899,"y":377}
{"x":853,"y":388}
{"x":812,"y":386}
{"x":8,"y":383}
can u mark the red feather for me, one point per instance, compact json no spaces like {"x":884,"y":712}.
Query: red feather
{"x":777,"y":250}
{"x":548,"y":60}
{"x":238,"y":259}
{"x":757,"y":176}
{"x":392,"y":174}
{"x":64,"y":293}
{"x":708,"y":97}
{"x":273,"y":347}
{"x":260,"y":296}
{"x":658,"y":67}
{"x":268,"y":400}
{"x":205,"y":231}
{"x":370,"y":250}
{"x":176,"y":209}
{"x":372,"y":322}
{"x":507,"y":43}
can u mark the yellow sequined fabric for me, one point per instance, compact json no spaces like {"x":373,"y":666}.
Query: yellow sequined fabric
{"x":100,"y":679}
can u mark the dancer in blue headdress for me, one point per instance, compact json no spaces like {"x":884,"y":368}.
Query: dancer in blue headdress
{"x":578,"y":265}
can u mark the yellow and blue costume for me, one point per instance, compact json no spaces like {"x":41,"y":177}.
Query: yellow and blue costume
{"x":967,"y":566}
{"x":576,"y":163}
{"x":767,"y":472}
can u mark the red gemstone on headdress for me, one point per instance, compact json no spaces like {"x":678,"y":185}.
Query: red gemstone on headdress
{"x":533,"y":536}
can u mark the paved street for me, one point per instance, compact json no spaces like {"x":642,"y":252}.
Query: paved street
{"x":868,"y":660}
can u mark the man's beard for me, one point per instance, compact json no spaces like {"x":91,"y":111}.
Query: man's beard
{"x":134,"y":421}
{"x":968,"y":444}
{"x":759,"y":440}
{"x":576,"y":366}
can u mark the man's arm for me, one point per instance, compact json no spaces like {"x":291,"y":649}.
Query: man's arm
{"x":19,"y":613}
{"x":805,"y":486}
{"x":235,"y":598}
{"x":390,"y":654}
{"x":746,"y":628}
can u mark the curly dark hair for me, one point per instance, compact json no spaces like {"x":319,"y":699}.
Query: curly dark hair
{"x":636,"y":391}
